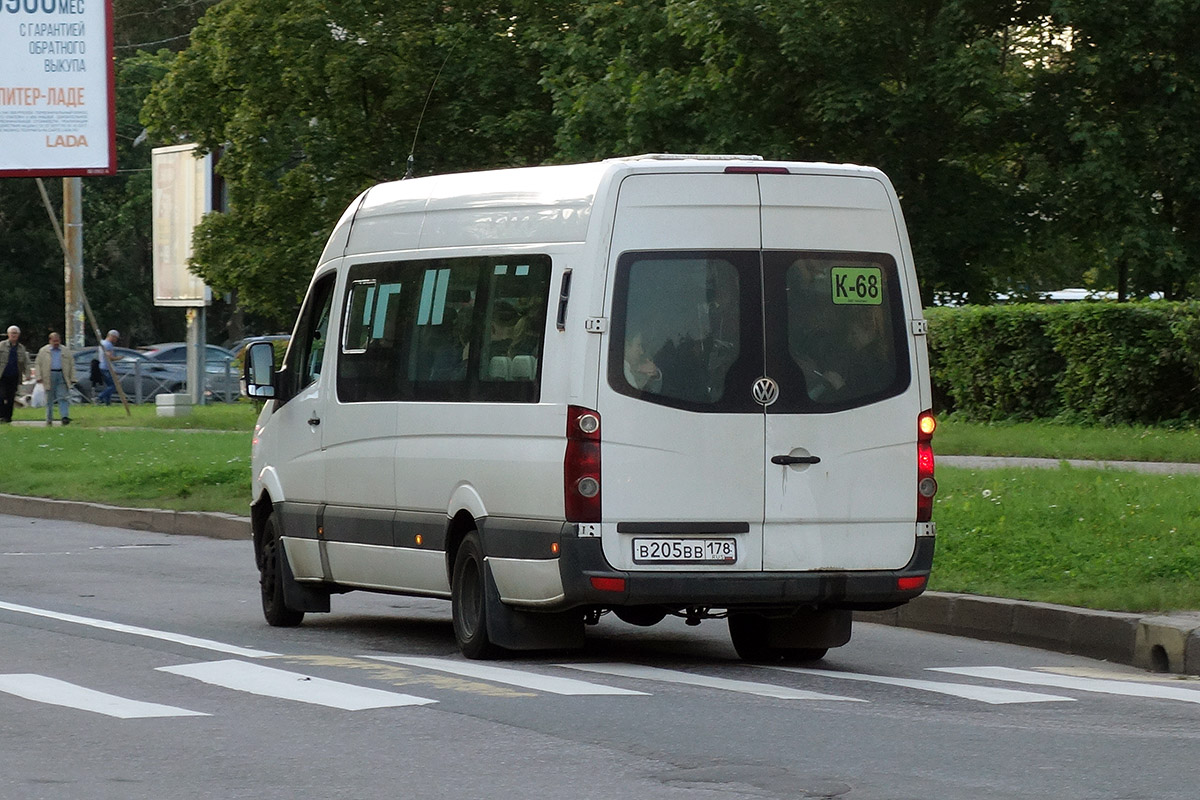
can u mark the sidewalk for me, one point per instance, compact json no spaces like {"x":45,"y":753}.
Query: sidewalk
{"x":1160,"y":643}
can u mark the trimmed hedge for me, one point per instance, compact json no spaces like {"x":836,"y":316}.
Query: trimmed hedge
{"x":1088,"y":362}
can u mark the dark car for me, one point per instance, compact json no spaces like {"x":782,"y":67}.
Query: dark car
{"x":141,"y":379}
{"x":222,"y":379}
{"x":239,"y":347}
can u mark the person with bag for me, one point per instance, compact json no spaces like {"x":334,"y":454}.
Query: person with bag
{"x":56,"y":372}
{"x":14,"y":366}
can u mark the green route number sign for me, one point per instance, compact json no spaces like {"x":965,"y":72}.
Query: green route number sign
{"x":857,"y":286}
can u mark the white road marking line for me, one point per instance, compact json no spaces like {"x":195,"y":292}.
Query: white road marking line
{"x":691,"y":679}
{"x":266,"y":681}
{"x":1099,"y":685}
{"x":166,"y":636}
{"x":511,"y":677}
{"x":985,"y":694}
{"x":41,"y":689}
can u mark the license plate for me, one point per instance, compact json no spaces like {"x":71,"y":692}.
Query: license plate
{"x":684,"y":551}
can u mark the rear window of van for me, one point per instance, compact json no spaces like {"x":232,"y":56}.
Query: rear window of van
{"x":695,"y":330}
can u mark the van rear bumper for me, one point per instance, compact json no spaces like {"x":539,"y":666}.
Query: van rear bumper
{"x":581,"y":560}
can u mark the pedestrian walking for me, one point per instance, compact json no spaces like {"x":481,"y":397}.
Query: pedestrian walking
{"x":107,"y":356}
{"x":14,"y":366}
{"x":56,"y":372}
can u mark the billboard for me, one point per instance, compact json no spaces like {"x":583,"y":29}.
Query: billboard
{"x":183,"y":194}
{"x":57,"y":98}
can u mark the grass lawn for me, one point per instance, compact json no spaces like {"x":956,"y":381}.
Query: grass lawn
{"x":1109,"y":539}
{"x":1058,"y":440}
{"x":196,"y":463}
{"x":1096,"y":538}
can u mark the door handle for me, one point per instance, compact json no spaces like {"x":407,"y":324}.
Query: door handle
{"x":787,"y":461}
{"x":314,"y":420}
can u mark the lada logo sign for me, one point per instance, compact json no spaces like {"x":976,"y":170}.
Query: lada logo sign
{"x":766,"y":391}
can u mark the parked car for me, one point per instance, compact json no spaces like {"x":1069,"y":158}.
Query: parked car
{"x":141,"y":379}
{"x":222,"y":377}
{"x":240,"y":345}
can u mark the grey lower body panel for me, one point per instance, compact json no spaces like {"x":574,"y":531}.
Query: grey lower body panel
{"x":583,"y":559}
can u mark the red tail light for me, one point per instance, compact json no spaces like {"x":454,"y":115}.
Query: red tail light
{"x":581,"y":465}
{"x":926,"y":485}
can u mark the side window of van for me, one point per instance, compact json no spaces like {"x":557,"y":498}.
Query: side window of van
{"x":445,"y":330}
{"x":514,"y":324}
{"x":307,"y":351}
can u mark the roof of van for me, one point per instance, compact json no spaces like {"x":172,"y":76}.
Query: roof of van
{"x":520,"y":205}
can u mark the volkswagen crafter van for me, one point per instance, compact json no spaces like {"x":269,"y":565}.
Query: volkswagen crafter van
{"x":662,"y":385}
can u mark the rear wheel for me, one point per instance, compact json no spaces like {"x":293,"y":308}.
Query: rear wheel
{"x":751,"y":637}
{"x":271,"y":577}
{"x":642,"y":616}
{"x":468,"y":599}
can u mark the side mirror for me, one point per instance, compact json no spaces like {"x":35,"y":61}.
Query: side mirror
{"x":259,"y":373}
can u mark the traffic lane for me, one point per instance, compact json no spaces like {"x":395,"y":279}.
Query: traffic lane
{"x":900,"y":731}
{"x":264,"y":747}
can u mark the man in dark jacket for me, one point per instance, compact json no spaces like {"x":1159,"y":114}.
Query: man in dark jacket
{"x":14,"y":367}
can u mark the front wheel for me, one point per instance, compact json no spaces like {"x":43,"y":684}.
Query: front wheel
{"x":468,"y":600}
{"x":271,"y":576}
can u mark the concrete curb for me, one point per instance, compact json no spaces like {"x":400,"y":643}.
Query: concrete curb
{"x":1161,"y":643}
{"x":187,"y":523}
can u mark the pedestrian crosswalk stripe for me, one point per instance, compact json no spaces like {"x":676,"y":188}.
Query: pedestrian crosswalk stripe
{"x":693,"y":679}
{"x":266,"y":681}
{"x":42,"y":689}
{"x":510,"y":677}
{"x":1099,"y":685}
{"x":166,"y":636}
{"x":984,"y":694}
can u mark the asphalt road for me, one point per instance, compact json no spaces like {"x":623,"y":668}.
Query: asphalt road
{"x":137,"y":665}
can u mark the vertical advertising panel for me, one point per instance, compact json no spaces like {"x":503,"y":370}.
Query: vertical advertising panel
{"x":182,"y":196}
{"x":57,"y":102}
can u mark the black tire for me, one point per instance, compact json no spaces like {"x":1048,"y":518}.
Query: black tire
{"x":275,"y":610}
{"x":642,"y":616}
{"x":468,"y":600}
{"x":750,"y":634}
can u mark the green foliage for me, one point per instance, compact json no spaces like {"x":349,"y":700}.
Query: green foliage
{"x":310,"y":102}
{"x":1095,"y":362}
{"x":1116,"y":120}
{"x":994,"y":362}
{"x":922,"y":89}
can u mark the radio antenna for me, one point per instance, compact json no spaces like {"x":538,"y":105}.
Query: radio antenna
{"x":408,"y":173}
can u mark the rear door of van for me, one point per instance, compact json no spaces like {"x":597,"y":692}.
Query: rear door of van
{"x":682,"y":475}
{"x":761,"y":400}
{"x":839,"y":350}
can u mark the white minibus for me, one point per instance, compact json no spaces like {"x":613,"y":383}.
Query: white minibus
{"x":662,"y":385}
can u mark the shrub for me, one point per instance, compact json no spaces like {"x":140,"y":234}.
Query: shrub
{"x":1091,"y":362}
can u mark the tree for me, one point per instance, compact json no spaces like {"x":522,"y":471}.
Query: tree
{"x":923,"y":88}
{"x":1119,"y":136}
{"x":309,"y":102}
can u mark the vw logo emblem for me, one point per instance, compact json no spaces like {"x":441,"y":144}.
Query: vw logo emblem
{"x":766,"y":391}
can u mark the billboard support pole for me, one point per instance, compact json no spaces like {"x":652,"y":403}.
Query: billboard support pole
{"x":73,"y":260}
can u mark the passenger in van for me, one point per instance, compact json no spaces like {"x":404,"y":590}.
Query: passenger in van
{"x":640,"y":370}
{"x":449,"y":362}
{"x":841,"y":351}
{"x":695,"y":367}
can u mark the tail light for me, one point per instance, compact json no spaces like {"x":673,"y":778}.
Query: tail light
{"x":926,"y":485}
{"x":581,"y":465}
